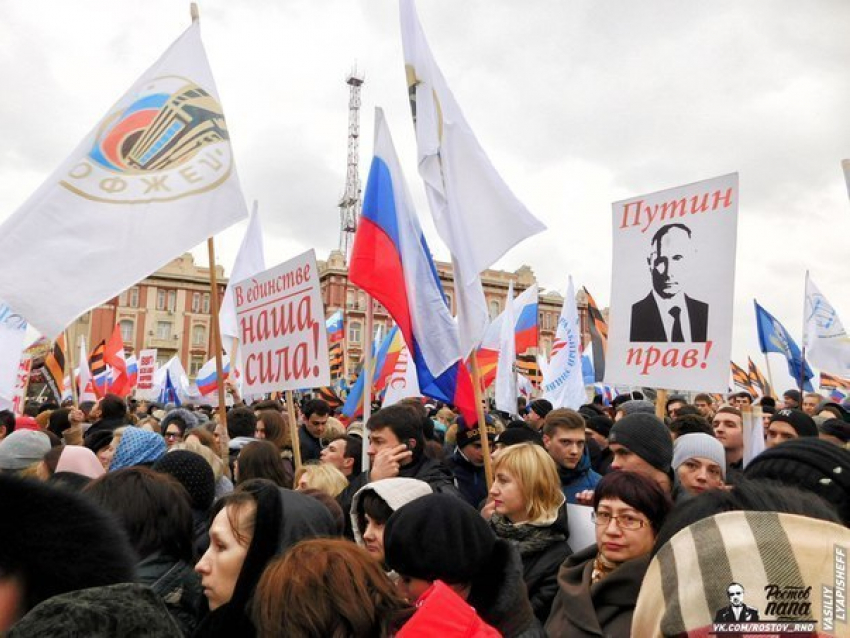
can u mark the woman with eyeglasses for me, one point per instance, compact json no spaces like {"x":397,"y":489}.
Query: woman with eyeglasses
{"x":174,"y":425}
{"x":598,"y":586}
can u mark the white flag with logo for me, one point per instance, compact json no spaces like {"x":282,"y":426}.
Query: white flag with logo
{"x":475,"y":212}
{"x":154,"y":178}
{"x":826,"y":341}
{"x":563,"y":381}
{"x":13,"y":329}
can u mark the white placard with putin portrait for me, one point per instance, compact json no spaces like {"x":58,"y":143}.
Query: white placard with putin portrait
{"x":673,"y":276}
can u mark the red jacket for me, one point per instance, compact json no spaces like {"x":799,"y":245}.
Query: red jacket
{"x":441,"y":612}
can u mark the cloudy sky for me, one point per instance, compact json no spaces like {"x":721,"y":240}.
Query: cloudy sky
{"x":579,"y":104}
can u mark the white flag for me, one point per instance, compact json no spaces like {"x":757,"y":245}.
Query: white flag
{"x":474,"y":211}
{"x":13,"y":329}
{"x":563,"y":382}
{"x":506,"y":392}
{"x":824,"y":337}
{"x":402,"y":382}
{"x":250,"y":260}
{"x":524,"y":385}
{"x":153,"y":178}
{"x":753,"y":434}
{"x":186,"y":391}
{"x":84,"y":379}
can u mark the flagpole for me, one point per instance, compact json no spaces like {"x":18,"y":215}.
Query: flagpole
{"x":216,"y":336}
{"x":293,"y":429}
{"x":769,"y":375}
{"x":367,"y":380}
{"x":482,"y":424}
{"x":661,"y":404}
{"x":68,"y":358}
{"x":26,"y":389}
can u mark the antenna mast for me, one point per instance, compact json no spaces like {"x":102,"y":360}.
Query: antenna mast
{"x":349,"y":205}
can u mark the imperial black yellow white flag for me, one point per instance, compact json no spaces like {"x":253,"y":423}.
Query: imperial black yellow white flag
{"x":153,"y":178}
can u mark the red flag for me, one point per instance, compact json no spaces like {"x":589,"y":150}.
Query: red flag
{"x":113,"y":355}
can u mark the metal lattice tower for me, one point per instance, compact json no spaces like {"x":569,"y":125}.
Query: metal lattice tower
{"x":349,"y":205}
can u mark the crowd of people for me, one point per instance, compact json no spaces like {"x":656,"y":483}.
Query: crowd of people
{"x":131,"y":518}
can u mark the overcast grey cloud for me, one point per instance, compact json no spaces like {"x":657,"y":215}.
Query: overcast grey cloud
{"x":578,"y":103}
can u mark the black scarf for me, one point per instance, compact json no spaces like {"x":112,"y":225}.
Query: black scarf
{"x":528,"y":539}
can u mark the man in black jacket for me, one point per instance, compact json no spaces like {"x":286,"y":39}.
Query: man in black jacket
{"x":467,"y":462}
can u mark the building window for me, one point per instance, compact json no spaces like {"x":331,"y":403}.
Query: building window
{"x":126,"y":330}
{"x":495,"y":309}
{"x":163,"y":330}
{"x":172,"y":300}
{"x":133,"y":297}
{"x":361,"y":301}
{"x":206,"y":306}
{"x":354,"y":332}
{"x":160,"y":299}
{"x":195,"y":364}
{"x":199,"y":336}
{"x":349,"y":299}
{"x":196,"y":302}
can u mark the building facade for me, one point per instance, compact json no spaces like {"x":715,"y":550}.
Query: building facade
{"x":339,"y":294}
{"x":170,"y":310}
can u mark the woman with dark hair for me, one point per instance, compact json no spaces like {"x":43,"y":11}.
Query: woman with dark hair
{"x":373,"y":505}
{"x":327,"y":587}
{"x":244,"y":537}
{"x":599,"y":586}
{"x":261,"y":460}
{"x":154,"y":510}
{"x":273,"y":426}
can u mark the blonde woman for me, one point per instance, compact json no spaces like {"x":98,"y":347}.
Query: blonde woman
{"x":526,"y":507}
{"x":321,"y":476}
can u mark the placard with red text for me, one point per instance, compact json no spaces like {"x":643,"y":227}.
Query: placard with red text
{"x":670,"y":321}
{"x":145,"y":387}
{"x":281,"y":322}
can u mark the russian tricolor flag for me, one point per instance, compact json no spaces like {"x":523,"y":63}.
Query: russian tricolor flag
{"x":525,"y":334}
{"x":207,"y":378}
{"x":334,"y":325}
{"x":390,"y":260}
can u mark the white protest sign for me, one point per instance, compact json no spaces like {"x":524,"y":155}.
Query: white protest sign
{"x":582,"y":527}
{"x":281,"y":319}
{"x":145,"y":387}
{"x":672,"y":287}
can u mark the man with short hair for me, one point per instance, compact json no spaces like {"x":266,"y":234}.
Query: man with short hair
{"x":241,"y":428}
{"x":729,"y":430}
{"x":641,"y":443}
{"x":597,"y":429}
{"x":789,"y":424}
{"x":312,"y":430}
{"x":674,"y":403}
{"x":741,"y":400}
{"x":667,"y":314}
{"x":811,"y":401}
{"x":705,"y":404}
{"x":467,"y":461}
{"x":564,"y":438}
{"x":345,"y":454}
{"x":113,"y":415}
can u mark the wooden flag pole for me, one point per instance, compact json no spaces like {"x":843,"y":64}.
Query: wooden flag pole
{"x":70,"y":362}
{"x":482,"y":424}
{"x":293,"y":430}
{"x":661,"y":404}
{"x":216,"y":334}
{"x":770,"y":377}
{"x":367,"y":380}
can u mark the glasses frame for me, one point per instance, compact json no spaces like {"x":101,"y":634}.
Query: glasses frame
{"x":599,"y":523}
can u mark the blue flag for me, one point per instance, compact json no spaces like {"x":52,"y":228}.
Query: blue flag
{"x":168,"y":394}
{"x":773,"y":337}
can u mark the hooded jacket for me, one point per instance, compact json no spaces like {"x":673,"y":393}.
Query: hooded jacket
{"x":179,"y":587}
{"x":602,"y":609}
{"x":578,"y":479}
{"x":395,"y":492}
{"x":127,"y":609}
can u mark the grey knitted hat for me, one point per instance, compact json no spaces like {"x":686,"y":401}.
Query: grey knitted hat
{"x":699,"y":445}
{"x":22,"y":448}
{"x":645,"y":435}
{"x":637,"y":406}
